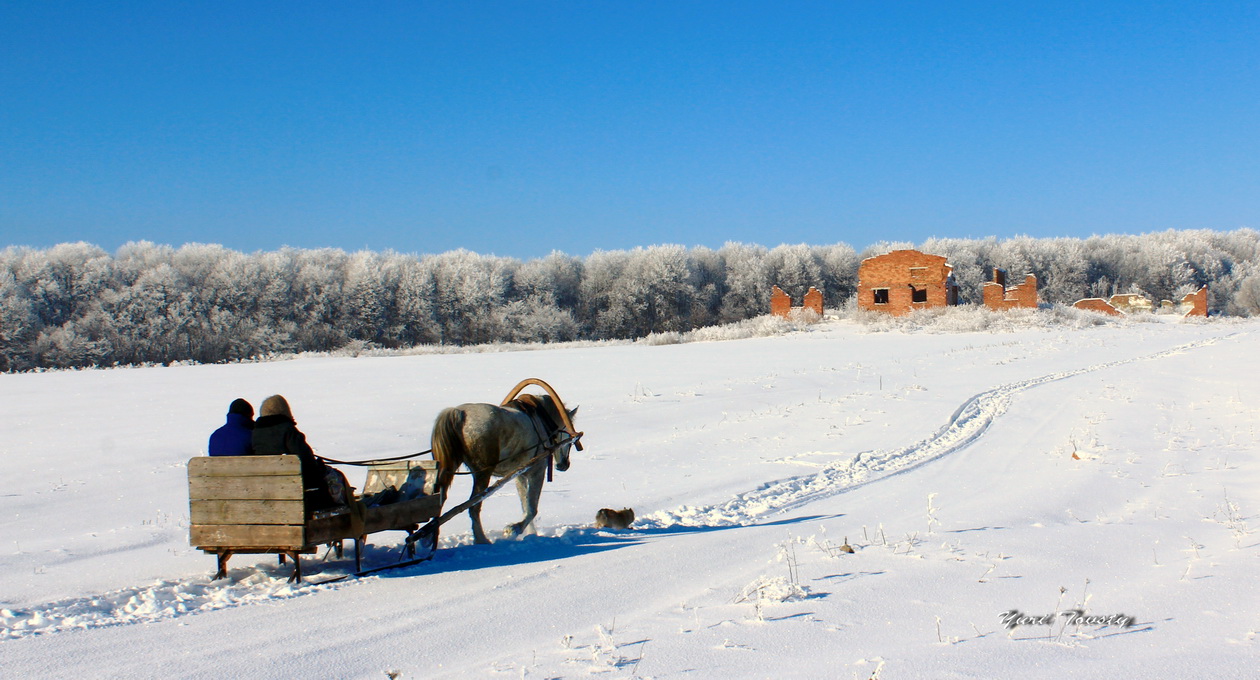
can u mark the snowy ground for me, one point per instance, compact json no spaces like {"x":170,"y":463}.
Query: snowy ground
{"x":1112,"y":470}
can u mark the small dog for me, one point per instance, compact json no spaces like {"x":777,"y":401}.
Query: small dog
{"x":614,"y":519}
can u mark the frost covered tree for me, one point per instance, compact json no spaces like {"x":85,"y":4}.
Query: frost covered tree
{"x":413,"y":309}
{"x":17,"y":323}
{"x":555,"y":279}
{"x":747,"y":282}
{"x":605,"y":307}
{"x":468,"y":287}
{"x":839,"y":272}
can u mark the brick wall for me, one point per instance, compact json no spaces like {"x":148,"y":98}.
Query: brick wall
{"x":814,"y":300}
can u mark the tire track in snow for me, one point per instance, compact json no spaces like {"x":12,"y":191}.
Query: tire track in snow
{"x":968,"y":423}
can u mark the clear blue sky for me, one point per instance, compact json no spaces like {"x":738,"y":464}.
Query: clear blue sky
{"x":520,"y":127}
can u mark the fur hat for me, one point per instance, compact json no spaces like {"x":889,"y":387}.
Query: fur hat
{"x":241,"y":407}
{"x":275,"y":405}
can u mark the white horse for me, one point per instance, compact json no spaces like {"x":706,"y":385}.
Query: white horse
{"x":496,"y":441}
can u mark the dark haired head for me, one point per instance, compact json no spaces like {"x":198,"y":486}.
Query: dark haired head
{"x":241,"y":407}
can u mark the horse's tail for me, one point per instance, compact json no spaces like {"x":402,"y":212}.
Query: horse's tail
{"x":449,"y":449}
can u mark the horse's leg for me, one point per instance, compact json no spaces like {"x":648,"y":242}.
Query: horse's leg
{"x":481,"y":482}
{"x":529,"y":488}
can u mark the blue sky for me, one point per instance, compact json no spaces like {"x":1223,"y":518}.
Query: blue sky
{"x":517,"y":128}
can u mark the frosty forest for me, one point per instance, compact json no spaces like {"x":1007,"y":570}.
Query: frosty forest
{"x":75,"y":305}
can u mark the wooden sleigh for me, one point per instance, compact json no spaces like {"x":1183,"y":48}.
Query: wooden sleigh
{"x":256,"y":504}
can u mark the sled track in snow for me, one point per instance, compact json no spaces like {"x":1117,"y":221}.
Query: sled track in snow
{"x":159,"y":601}
{"x":968,"y":423}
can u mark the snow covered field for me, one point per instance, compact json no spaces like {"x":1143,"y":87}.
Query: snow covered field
{"x":1112,"y":470}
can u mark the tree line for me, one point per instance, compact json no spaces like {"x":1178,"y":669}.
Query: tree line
{"x":75,"y":305}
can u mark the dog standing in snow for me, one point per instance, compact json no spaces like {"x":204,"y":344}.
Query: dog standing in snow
{"x":607,"y":518}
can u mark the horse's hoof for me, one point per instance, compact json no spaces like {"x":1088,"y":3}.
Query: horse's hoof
{"x":512,"y":530}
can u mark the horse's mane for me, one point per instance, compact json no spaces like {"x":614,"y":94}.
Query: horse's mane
{"x":532,"y":401}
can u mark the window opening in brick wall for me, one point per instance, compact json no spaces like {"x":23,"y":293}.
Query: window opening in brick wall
{"x":918,"y":294}
{"x":881,"y":296}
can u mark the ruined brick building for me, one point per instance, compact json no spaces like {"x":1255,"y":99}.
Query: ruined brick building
{"x":904,"y":280}
{"x":781,"y":303}
{"x":998,"y":297}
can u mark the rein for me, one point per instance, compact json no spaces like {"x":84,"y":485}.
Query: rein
{"x":374,"y":461}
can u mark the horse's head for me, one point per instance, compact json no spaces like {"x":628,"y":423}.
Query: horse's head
{"x":562,"y":451}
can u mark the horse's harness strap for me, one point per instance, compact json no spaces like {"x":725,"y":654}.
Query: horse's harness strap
{"x":545,"y":427}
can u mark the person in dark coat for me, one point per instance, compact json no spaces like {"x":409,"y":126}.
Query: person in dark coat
{"x":235,"y":438}
{"x":276,"y":433}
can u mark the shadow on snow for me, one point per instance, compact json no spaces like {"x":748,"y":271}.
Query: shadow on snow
{"x":570,"y":543}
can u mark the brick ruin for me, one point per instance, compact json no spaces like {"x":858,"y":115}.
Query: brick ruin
{"x":1193,"y":304}
{"x":998,"y":297}
{"x":781,"y":303}
{"x":1130,"y":303}
{"x":814,"y":300}
{"x":1097,"y":305}
{"x":904,"y":280}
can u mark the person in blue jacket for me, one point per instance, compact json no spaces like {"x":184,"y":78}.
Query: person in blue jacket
{"x":236,"y":436}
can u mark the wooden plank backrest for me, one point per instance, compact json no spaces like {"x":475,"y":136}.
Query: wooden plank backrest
{"x":246,"y":501}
